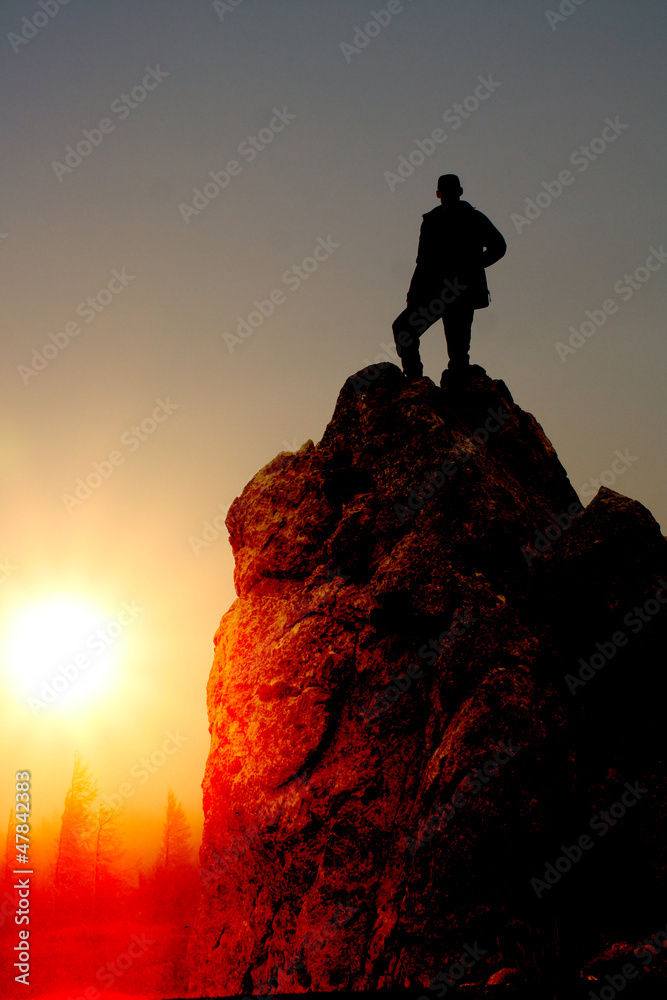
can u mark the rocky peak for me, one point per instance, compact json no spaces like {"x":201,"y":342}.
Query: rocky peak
{"x":396,"y":750}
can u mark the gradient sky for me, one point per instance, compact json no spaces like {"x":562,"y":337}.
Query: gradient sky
{"x":323,"y":176}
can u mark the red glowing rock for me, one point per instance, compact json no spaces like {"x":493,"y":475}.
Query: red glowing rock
{"x":413,"y":591}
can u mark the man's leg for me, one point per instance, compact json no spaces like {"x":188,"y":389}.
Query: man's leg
{"x":408,"y":328}
{"x":457,"y":320}
{"x":407,"y":343}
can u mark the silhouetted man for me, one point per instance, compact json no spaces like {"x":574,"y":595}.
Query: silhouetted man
{"x":456,"y":243}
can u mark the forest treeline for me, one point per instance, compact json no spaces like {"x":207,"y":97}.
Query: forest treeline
{"x":97,"y":900}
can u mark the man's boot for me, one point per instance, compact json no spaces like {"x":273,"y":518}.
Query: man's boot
{"x":456,"y":378}
{"x":411,"y":362}
{"x":413,"y":371}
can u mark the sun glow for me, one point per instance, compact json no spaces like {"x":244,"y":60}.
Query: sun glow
{"x":63,"y":653}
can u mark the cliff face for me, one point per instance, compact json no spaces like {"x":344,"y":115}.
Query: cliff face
{"x":420,"y":696}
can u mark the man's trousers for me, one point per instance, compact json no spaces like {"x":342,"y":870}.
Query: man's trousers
{"x":416,"y":319}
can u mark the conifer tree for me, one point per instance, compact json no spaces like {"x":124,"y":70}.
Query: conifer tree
{"x":74,"y":868}
{"x":108,"y":855}
{"x":175,"y":875}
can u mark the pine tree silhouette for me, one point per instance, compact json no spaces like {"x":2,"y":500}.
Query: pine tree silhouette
{"x":74,"y":868}
{"x":175,"y":874}
{"x":109,"y":851}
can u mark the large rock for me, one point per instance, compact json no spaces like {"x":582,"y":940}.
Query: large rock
{"x":346,"y":844}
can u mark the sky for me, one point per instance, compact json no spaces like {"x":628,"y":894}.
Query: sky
{"x":165,"y":333}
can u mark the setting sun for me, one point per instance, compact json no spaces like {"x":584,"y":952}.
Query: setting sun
{"x":333,"y":528}
{"x":63,"y":653}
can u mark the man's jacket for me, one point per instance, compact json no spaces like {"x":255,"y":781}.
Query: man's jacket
{"x":455,"y":244}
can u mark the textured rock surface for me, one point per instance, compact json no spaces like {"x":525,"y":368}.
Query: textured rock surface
{"x":320,"y":870}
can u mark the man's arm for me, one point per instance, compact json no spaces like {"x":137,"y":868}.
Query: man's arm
{"x":424,"y":258}
{"x":493,"y":242}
